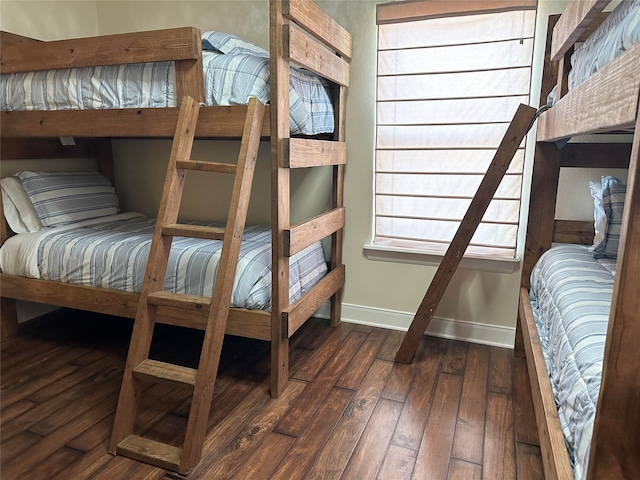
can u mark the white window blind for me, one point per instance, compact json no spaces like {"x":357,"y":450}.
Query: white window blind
{"x":447,"y":88}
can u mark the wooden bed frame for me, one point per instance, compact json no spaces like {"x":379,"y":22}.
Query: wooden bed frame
{"x":606,"y":102}
{"x":326,"y":50}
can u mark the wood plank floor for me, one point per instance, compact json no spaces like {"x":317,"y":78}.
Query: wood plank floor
{"x":459,"y":411}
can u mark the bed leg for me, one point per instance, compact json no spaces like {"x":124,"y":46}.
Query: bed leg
{"x":279,"y":365}
{"x":518,"y":347}
{"x":8,"y":317}
{"x":336,"y":309}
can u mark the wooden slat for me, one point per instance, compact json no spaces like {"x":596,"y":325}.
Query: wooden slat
{"x":150,"y":451}
{"x":213,"y":122}
{"x":157,"y":372}
{"x":588,"y":109}
{"x":304,"y":153}
{"x":301,"y":49}
{"x":110,"y":302}
{"x":300,"y":236}
{"x":316,"y":22}
{"x":241,"y":322}
{"x":573,"y":231}
{"x":555,"y":458}
{"x":8,"y":39}
{"x":204,"y":166}
{"x":151,"y":46}
{"x":295,"y":315}
{"x":574,"y":21}
{"x":513,"y":137}
{"x":194,"y":231}
{"x":180,"y":300}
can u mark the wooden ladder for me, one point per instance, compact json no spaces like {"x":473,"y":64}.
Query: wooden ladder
{"x":517,"y":130}
{"x":139,"y":367}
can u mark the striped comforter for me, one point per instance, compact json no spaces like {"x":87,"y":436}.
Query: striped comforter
{"x":229,"y":80}
{"x":571,"y":296}
{"x":112,"y":253}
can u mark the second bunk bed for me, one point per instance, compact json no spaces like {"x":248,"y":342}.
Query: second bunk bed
{"x":303,"y":36}
{"x":579,"y":315}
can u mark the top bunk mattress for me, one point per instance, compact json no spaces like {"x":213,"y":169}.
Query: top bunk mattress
{"x":571,"y":295}
{"x":112,"y":251}
{"x":617,"y":34}
{"x":234,"y":71}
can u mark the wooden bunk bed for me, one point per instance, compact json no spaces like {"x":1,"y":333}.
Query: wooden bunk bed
{"x":607,"y":102}
{"x":301,"y":34}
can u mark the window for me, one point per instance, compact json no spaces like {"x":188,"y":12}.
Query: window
{"x":448,"y":83}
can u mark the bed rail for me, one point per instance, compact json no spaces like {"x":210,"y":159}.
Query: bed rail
{"x":182,"y":45}
{"x":604,"y":102}
{"x":575,"y":20}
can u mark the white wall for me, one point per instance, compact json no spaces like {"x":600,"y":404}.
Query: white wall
{"x":49,"y":20}
{"x":480,"y":306}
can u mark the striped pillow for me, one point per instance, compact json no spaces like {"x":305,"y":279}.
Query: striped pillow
{"x":613,"y":193}
{"x":231,"y":45}
{"x":61,"y":198}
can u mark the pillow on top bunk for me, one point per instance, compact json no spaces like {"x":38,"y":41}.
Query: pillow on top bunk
{"x":18,"y":209}
{"x":230,"y":45}
{"x":608,"y":197}
{"x":61,"y":198}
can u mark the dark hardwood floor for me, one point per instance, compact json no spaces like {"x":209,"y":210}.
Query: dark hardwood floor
{"x":458,"y":411}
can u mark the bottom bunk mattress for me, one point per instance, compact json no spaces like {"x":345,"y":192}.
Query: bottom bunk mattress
{"x":111,"y":252}
{"x":571,"y":296}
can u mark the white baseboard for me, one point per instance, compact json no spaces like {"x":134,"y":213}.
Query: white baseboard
{"x":493,"y":335}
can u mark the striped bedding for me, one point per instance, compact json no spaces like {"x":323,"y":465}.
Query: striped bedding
{"x":111,"y":252}
{"x":571,"y":296}
{"x":229,"y":80}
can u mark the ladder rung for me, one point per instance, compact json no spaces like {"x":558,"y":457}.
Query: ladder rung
{"x":179,"y":300}
{"x":156,"y":371}
{"x":193,"y":231}
{"x":151,"y":451}
{"x":204,"y":166}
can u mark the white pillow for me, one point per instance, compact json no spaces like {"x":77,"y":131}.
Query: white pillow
{"x":18,"y":209}
{"x":61,"y":198}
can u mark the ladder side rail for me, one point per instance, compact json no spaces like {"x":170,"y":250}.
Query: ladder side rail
{"x":222,"y":291}
{"x":154,"y":273}
{"x":512,"y":139}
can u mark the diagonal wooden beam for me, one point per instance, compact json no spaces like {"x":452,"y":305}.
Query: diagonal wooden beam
{"x":512,"y":139}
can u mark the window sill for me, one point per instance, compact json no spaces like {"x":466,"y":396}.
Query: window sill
{"x":420,"y":257}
